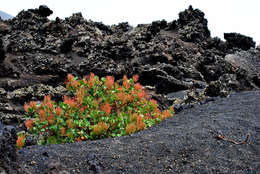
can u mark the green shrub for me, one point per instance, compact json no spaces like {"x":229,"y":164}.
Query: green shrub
{"x":100,"y":108}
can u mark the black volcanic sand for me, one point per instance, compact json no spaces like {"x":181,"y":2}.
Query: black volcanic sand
{"x":185,"y":143}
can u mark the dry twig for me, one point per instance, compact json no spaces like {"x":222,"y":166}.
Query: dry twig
{"x":221,"y":137}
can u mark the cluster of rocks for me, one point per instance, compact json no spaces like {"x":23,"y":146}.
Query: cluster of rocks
{"x":177,"y":61}
{"x":8,"y":155}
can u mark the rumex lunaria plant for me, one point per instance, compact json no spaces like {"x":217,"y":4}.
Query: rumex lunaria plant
{"x":99,"y":108}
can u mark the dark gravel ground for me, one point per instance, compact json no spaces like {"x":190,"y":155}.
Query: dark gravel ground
{"x":185,"y":143}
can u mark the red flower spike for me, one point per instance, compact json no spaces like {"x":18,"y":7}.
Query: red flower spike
{"x":91,"y":80}
{"x":109,"y":82}
{"x":130,"y":98}
{"x":166,"y":114}
{"x":69,"y":101}
{"x":75,"y":84}
{"x":58,"y":111}
{"x":125,"y":82}
{"x":70,"y":77}
{"x":130,"y":128}
{"x":101,"y":126}
{"x":154,"y":103}
{"x":80,"y":94}
{"x":138,"y":86}
{"x":63,"y":131}
{"x":50,"y":104}
{"x":20,"y":141}
{"x":136,"y":77}
{"x":141,"y":94}
{"x":29,"y":124}
{"x":33,"y":104}
{"x":26,"y":107}
{"x":51,"y":119}
{"x":106,"y":108}
{"x":122,"y":97}
{"x":42,"y":115}
{"x":139,"y":122}
{"x":46,"y":99}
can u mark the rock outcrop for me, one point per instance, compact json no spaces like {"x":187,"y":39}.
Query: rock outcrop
{"x":8,"y":154}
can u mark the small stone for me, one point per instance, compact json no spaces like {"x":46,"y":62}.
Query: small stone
{"x":32,"y":163}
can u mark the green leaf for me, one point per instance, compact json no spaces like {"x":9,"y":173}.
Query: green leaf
{"x":52,"y":140}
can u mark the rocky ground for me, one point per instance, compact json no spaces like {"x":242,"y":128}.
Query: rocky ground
{"x":189,"y":142}
{"x":178,"y":62}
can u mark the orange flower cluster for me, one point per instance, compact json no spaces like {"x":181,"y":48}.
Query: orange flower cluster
{"x":46,"y":99}
{"x":125,"y":82}
{"x":69,"y":101}
{"x":135,"y":78}
{"x":42,"y":115}
{"x":165,"y":114}
{"x":106,"y":108}
{"x":109,"y":82}
{"x":63,"y":131}
{"x":48,"y":102}
{"x":138,"y":86}
{"x":29,"y":124}
{"x":139,"y":121}
{"x":70,"y":77}
{"x":26,"y":107}
{"x":122,"y":97}
{"x":141,"y":94}
{"x":70,"y":123}
{"x":91,"y":80}
{"x":74,"y":83}
{"x":80,"y":94}
{"x":130,"y":128}
{"x":51,"y":119}
{"x":58,"y":111}
{"x":99,"y":128}
{"x":20,"y":141}
{"x":32,"y":104}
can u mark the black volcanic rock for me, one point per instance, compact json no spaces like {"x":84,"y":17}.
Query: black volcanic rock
{"x":194,"y":25}
{"x":239,"y":41}
{"x":2,"y":52}
{"x":169,"y":57}
{"x":8,"y":155}
{"x":43,"y":11}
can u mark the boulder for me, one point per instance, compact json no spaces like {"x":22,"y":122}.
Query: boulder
{"x":8,"y":155}
{"x":239,"y":41}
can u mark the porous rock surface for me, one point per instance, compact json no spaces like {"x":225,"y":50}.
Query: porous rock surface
{"x":178,"y":62}
{"x":8,"y":155}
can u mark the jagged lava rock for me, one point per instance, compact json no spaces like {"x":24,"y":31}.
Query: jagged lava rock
{"x":169,"y":57}
{"x":8,"y":154}
{"x":239,"y":41}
